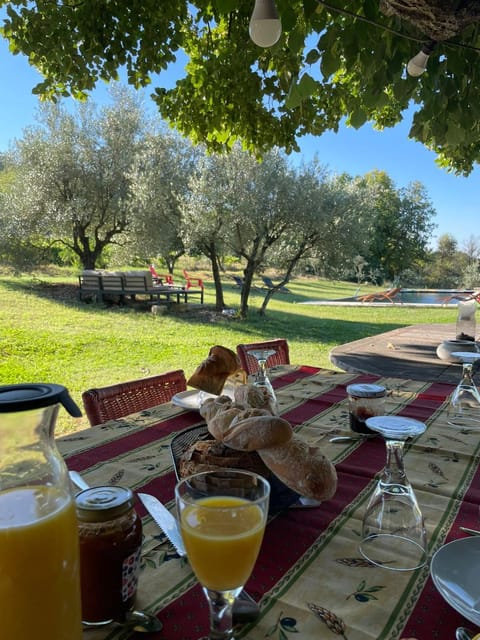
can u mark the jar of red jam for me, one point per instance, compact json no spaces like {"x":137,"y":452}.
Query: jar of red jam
{"x":110,"y":534}
{"x":365,"y":401}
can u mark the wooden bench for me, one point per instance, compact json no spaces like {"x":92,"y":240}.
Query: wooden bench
{"x":132,"y":284}
{"x":90,"y":285}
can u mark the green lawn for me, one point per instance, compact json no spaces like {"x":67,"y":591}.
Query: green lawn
{"x":48,"y":335}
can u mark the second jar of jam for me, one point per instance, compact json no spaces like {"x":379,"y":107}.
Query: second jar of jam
{"x":365,"y":401}
{"x":110,"y":534}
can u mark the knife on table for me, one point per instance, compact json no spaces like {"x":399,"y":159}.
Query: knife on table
{"x":167,"y":523}
{"x":245,"y":609}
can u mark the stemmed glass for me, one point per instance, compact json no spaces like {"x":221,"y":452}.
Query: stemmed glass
{"x":222,"y":518}
{"x":393,"y":531}
{"x":261,"y":378}
{"x":464,"y":407}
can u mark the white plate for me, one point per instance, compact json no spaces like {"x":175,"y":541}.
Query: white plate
{"x":191,"y":399}
{"x":455,"y":570}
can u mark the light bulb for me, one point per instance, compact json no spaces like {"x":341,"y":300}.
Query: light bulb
{"x":417,"y":65}
{"x":265,"y":25}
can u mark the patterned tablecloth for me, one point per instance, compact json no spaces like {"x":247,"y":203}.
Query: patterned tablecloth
{"x":310,"y":580}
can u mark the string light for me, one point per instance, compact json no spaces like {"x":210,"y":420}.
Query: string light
{"x":265,"y":25}
{"x":417,"y":65}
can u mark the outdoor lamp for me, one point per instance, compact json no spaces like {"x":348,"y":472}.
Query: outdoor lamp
{"x":265,"y":25}
{"x":417,"y":65}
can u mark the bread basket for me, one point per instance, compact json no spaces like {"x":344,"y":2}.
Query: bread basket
{"x":281,"y":497}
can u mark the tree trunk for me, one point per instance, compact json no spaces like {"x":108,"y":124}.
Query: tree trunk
{"x":219,"y":300}
{"x":248,"y":274}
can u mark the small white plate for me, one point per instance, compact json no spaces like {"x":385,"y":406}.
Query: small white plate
{"x":455,"y":572}
{"x":191,"y":399}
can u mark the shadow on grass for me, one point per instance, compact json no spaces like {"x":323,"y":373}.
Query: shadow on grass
{"x":276,"y":323}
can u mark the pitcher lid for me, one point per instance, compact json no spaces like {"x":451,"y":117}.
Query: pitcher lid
{"x":26,"y":396}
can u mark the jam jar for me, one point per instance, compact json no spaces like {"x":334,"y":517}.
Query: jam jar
{"x":110,"y":534}
{"x":365,"y":401}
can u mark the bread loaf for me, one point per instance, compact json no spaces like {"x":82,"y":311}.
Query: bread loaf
{"x":211,"y":374}
{"x":302,"y":468}
{"x":210,"y":455}
{"x":252,"y":396}
{"x":256,"y":429}
{"x":242,"y":428}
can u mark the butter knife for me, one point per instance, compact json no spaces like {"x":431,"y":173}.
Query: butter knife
{"x":167,"y":523}
{"x":245,"y":609}
{"x":472,"y":532}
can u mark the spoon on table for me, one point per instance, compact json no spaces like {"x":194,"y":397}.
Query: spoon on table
{"x":135,"y":620}
{"x":138,"y":621}
{"x":464,"y":634}
{"x":141,"y":621}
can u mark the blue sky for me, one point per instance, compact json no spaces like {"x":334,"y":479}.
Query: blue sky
{"x":455,"y":199}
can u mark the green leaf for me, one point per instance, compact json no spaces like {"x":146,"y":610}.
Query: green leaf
{"x":226,"y":6}
{"x":455,"y":134}
{"x":312,"y":56}
{"x":357,"y":118}
{"x":329,"y":64}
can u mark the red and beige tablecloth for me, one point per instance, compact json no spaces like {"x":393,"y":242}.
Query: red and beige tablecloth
{"x":310,"y":580}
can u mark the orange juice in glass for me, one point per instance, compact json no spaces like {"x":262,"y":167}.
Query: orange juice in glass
{"x":222,"y":519}
{"x":39,"y":565}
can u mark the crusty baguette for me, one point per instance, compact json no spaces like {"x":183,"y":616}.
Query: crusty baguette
{"x":302,"y":468}
{"x":212,"y":406}
{"x":252,"y":396}
{"x":219,"y":424}
{"x":256,"y":429}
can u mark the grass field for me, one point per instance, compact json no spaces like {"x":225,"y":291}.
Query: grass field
{"x":48,"y":335}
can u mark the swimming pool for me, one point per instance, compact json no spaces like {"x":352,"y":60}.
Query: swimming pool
{"x":408,"y":297}
{"x":429,"y":296}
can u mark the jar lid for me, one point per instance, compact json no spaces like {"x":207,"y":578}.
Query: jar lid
{"x":24,"y":397}
{"x":366,"y":390}
{"x":396,"y":427}
{"x":99,"y":504}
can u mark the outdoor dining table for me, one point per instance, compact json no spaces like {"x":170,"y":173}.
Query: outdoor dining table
{"x":310,"y":580}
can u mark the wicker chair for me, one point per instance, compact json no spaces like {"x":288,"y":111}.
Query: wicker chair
{"x":118,"y":400}
{"x":250,"y":364}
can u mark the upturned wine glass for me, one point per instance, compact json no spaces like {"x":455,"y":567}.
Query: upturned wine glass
{"x":261,"y":378}
{"x":393,"y":531}
{"x":464,"y":406}
{"x":222,"y":518}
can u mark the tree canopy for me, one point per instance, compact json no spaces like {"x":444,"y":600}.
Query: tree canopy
{"x":335,"y":61}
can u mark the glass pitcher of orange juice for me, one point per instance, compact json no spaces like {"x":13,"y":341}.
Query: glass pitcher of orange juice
{"x":39,"y":550}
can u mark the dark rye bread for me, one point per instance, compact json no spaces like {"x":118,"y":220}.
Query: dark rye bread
{"x":211,"y":455}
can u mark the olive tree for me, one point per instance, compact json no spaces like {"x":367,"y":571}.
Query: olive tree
{"x":158,"y":182}
{"x":71,"y":179}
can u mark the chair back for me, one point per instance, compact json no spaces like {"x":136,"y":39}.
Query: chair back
{"x":250,"y":364}
{"x":112,"y":283}
{"x":90,"y":281}
{"x":137,"y":281}
{"x":118,"y":400}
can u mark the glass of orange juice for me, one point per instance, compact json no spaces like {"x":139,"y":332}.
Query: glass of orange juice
{"x":222,"y":518}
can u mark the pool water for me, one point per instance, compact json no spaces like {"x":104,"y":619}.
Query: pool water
{"x":430,"y":296}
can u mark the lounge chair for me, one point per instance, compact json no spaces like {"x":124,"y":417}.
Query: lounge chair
{"x":238,"y":281}
{"x":463,"y":296}
{"x":380,"y":296}
{"x":250,"y":364}
{"x":270,"y":285}
{"x":165,"y":279}
{"x":192,"y":281}
{"x":118,"y":400}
